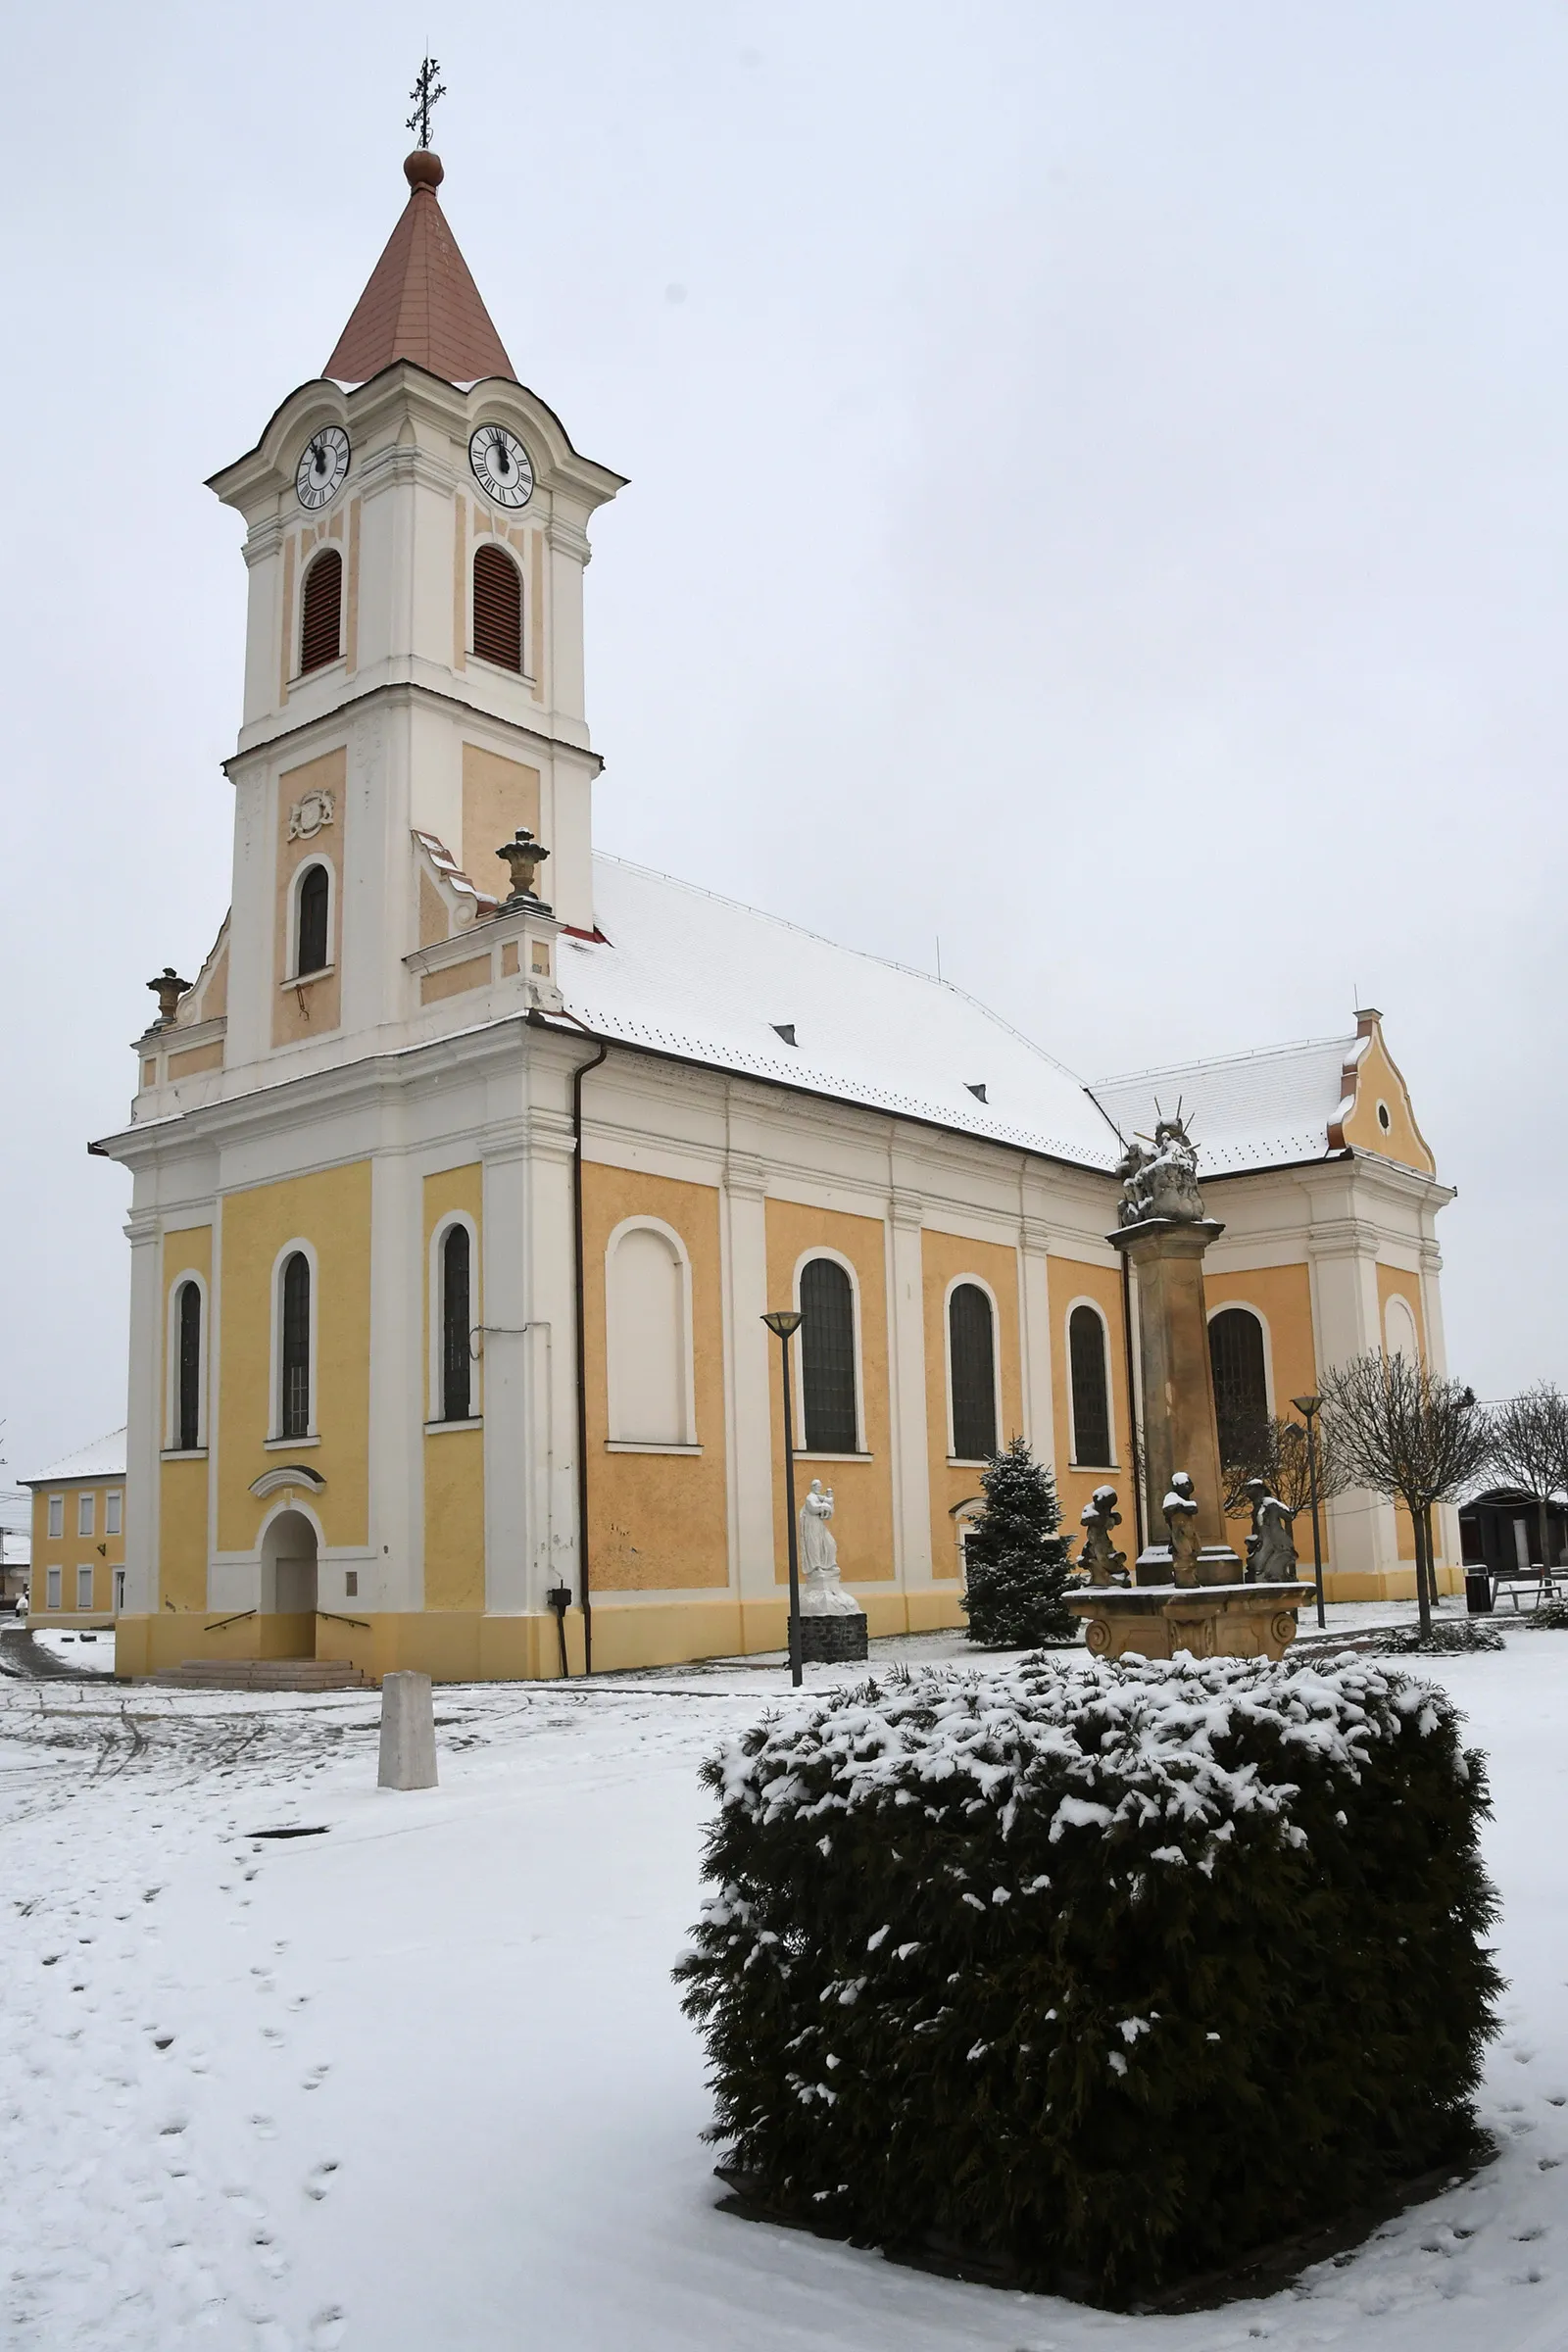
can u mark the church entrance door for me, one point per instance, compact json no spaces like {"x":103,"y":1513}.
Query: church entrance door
{"x":288,"y":1588}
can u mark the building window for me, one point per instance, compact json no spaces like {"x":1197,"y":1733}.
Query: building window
{"x":120,"y":1591}
{"x":827,"y":1358}
{"x":294,"y":1356}
{"x":311,"y":953}
{"x":457,"y":1355}
{"x":84,"y":1588}
{"x":57,"y":1516}
{"x":188,"y":1369}
{"x":497,"y":608}
{"x":1090,"y":1389}
{"x":972,"y":1372}
{"x":51,"y":1587}
{"x":87,"y":1513}
{"x":1240,"y":1380}
{"x":114,"y":1512}
{"x":648,"y":1308}
{"x":321,"y":613}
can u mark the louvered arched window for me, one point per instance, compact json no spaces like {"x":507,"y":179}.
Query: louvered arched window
{"x":457,"y":1355}
{"x":294,"y":1354}
{"x":1090,"y":1391}
{"x":321,"y":612}
{"x":972,"y":1373}
{"x":311,"y":951}
{"x":497,"y":608}
{"x":189,"y":1394}
{"x":827,"y":1357}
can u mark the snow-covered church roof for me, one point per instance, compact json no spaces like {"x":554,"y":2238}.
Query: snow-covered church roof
{"x":682,"y":972}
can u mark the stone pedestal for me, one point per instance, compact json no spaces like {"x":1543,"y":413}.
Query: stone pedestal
{"x":1212,"y":1621}
{"x":1178,"y":1382}
{"x":408,"y":1732}
{"x":834,"y":1639}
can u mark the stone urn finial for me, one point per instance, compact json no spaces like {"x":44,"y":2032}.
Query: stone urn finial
{"x":525,"y":856}
{"x":167,"y":988}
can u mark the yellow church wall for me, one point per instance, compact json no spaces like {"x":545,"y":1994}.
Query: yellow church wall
{"x":182,"y":1496}
{"x":863,"y":1485}
{"x":1283,"y":1297}
{"x":946,"y":1257}
{"x":332,"y":1210}
{"x":313,"y":1004}
{"x":498,"y":797}
{"x":454,"y":1458}
{"x":1377,"y":1080}
{"x":1069,"y":1279}
{"x":656,"y":1520}
{"x":1394,"y":1283}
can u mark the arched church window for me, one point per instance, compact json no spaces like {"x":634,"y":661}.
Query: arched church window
{"x":827,"y":1358}
{"x":497,"y":608}
{"x":294,"y":1354}
{"x":1240,"y":1380}
{"x":321,"y":612}
{"x":646,"y":1309}
{"x":457,"y":1355}
{"x":188,"y":1369}
{"x":311,"y":934}
{"x":1090,"y":1389}
{"x":972,"y":1372}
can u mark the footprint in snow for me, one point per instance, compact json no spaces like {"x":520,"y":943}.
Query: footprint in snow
{"x":315,"y":2077}
{"x":318,"y":2179}
{"x":327,"y":2329}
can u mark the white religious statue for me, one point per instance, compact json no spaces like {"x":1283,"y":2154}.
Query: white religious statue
{"x":821,"y":1593}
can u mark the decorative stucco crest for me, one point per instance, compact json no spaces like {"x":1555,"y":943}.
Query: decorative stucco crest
{"x":309,"y":815}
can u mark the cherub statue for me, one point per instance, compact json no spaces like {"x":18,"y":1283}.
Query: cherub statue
{"x":1181,"y":1518}
{"x":1100,"y":1559}
{"x":1131,"y":1173}
{"x":1271,"y":1546}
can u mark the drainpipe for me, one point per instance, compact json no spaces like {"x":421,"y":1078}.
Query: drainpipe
{"x":584,"y":1580}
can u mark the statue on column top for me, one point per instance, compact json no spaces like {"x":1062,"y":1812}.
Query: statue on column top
{"x":1161,"y":1179}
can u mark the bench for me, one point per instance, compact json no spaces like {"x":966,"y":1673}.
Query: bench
{"x":1546,"y":1584}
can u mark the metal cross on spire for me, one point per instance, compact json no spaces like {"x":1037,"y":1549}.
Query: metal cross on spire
{"x":424,"y":93}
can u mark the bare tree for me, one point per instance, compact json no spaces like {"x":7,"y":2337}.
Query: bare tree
{"x":1265,"y":1446}
{"x":1530,"y":1449}
{"x":1413,"y":1438}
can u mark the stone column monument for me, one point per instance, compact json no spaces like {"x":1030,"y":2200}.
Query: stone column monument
{"x":1190,"y":1592}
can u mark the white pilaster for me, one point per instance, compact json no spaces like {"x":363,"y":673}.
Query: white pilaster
{"x":144,"y":1415}
{"x":396,"y":1531}
{"x":748,"y":1398}
{"x":907,"y":1418}
{"x":1034,"y":1342}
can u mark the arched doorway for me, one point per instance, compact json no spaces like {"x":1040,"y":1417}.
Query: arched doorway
{"x":288,"y":1576}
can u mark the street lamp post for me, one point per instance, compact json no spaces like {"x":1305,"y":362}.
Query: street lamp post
{"x":1309,"y":1407}
{"x":784,"y":1323}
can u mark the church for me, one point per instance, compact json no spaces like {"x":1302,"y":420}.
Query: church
{"x":468,"y":1163}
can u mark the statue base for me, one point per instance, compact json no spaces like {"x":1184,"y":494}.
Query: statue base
{"x":836,"y":1638}
{"x":1217,"y":1564}
{"x":1210,"y":1621}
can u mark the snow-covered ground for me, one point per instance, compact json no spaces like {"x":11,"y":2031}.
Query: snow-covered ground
{"x":421,"y":2082}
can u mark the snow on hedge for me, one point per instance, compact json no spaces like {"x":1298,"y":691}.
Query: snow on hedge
{"x":1100,"y":1972}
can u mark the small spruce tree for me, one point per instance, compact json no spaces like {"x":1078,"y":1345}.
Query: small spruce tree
{"x":1018,"y":1565}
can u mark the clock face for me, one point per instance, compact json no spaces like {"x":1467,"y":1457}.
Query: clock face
{"x":324,"y":468}
{"x":501,"y":466}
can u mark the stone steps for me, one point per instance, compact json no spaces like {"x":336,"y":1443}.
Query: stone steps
{"x":260,"y":1674}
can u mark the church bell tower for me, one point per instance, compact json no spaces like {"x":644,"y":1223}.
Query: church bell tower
{"x":416,"y":539}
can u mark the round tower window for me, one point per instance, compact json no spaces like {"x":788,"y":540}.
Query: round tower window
{"x":1385,"y":1121}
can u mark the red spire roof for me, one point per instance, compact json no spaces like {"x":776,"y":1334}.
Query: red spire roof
{"x":420,"y":303}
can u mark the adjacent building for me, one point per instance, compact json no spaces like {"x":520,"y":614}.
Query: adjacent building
{"x":468,"y":1163}
{"x":77,"y":1573}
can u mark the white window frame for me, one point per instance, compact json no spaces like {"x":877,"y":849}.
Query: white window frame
{"x":971,"y":1461}
{"x":52,"y":1587}
{"x":1073,"y":1462}
{"x":861,"y":1452}
{"x":55,"y":1519}
{"x":275,"y":1407}
{"x":291,"y":958}
{"x":87,"y":1516}
{"x":171,"y":1362}
{"x":687,"y":1442}
{"x":438,"y":1317}
{"x":1223,"y":1306}
{"x":115,"y":1511}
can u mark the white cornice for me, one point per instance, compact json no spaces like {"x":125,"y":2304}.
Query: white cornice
{"x":395,"y":693}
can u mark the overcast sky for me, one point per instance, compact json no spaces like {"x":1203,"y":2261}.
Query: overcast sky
{"x":1099,"y":494}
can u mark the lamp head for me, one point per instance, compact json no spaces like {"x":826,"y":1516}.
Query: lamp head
{"x":1307,"y":1406}
{"x":783,"y":1322}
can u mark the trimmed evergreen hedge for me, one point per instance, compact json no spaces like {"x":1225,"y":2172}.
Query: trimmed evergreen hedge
{"x":1105,"y":1974}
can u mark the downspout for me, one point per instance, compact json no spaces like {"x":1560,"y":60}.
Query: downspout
{"x":584,"y":1577}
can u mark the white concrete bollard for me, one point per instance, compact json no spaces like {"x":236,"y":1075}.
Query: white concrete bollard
{"x":408,"y":1732}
